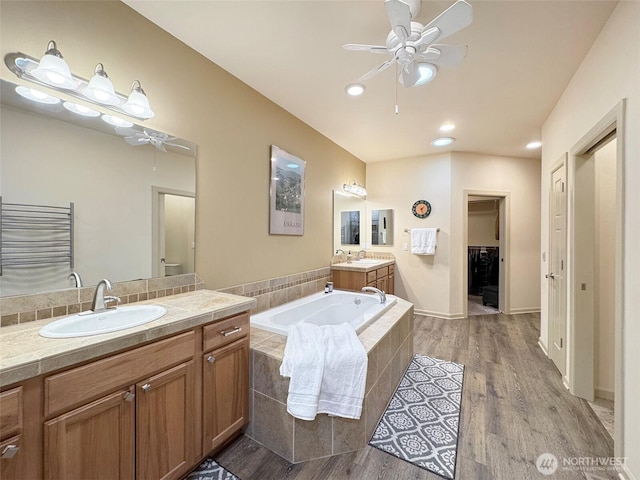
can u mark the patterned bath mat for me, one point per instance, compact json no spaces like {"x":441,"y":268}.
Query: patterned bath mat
{"x":420,"y":424}
{"x":210,"y":470}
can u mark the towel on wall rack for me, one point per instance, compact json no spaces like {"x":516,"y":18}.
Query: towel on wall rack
{"x":424,"y":241}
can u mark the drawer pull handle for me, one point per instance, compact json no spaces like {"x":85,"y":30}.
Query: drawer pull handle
{"x":231,"y":332}
{"x":128,"y":396}
{"x":211,"y":359}
{"x":10,"y":451}
{"x":146,"y":387}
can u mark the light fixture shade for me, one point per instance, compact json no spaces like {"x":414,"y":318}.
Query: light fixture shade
{"x":53,"y":70}
{"x":100,"y":88}
{"x":426,"y":73}
{"x":355,"y":189}
{"x":137,"y":103}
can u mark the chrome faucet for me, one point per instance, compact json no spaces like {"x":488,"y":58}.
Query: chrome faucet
{"x":100,"y":301}
{"x":76,"y":278}
{"x":358,"y":254}
{"x":383,"y":296}
{"x":340,"y":250}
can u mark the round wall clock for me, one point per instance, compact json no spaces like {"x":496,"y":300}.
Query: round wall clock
{"x":421,"y":209}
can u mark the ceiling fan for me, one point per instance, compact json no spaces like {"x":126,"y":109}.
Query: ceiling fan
{"x":411,"y":46}
{"x":148,"y":137}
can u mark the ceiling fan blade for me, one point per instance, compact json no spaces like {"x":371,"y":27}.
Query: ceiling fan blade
{"x":356,"y":47}
{"x":135,"y":141}
{"x":409,"y":75}
{"x":427,"y":37}
{"x":455,"y":18}
{"x":446,"y":55}
{"x":160,"y":146}
{"x":399,"y":15}
{"x":377,"y":70}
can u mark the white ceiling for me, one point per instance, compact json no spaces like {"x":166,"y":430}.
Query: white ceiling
{"x":521,"y":57}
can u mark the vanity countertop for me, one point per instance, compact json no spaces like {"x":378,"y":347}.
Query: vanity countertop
{"x":364,"y":265}
{"x":25,"y":354}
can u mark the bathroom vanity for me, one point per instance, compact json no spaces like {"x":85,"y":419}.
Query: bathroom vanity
{"x":148,"y":402}
{"x":363,"y":273}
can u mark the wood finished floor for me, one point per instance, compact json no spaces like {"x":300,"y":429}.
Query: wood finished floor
{"x":514,"y":408}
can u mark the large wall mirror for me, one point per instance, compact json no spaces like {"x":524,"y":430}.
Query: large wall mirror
{"x":349,"y":215}
{"x":133,"y":198}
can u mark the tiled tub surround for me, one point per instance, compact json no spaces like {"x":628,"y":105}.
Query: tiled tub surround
{"x":25,"y":354}
{"x":41,"y":306}
{"x":389,"y":343}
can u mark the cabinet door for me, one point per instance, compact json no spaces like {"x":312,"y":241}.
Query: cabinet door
{"x":94,"y":441}
{"x":165,"y":421}
{"x":382,"y":284}
{"x":391,"y":284}
{"x":225,"y":393}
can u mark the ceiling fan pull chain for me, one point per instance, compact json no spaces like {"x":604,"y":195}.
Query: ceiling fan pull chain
{"x":396,"y":84}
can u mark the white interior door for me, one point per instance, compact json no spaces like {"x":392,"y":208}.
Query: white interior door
{"x":556,"y":277}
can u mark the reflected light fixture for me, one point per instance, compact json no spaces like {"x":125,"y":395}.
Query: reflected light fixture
{"x":355,"y":89}
{"x":355,"y":189}
{"x":100,"y":88}
{"x":36,"y":95}
{"x":80,"y":109}
{"x":53,"y":70}
{"x":116,"y":121}
{"x":137,"y":103}
{"x":442,"y":141}
{"x":532,"y":145}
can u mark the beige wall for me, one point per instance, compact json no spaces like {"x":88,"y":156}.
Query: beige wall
{"x":435,"y":284}
{"x":232,"y":125}
{"x":601,"y":82}
{"x":482,"y":228}
{"x":179,"y":231}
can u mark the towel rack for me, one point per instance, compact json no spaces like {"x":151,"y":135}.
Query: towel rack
{"x":408,"y":230}
{"x":35,"y":235}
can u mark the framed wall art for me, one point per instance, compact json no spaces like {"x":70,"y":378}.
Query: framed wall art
{"x":286,"y":207}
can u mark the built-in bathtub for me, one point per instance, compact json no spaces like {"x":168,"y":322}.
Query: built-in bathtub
{"x":388,"y":341}
{"x":358,"y":309}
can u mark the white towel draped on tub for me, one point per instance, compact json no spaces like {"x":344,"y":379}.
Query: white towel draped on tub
{"x":424,"y":241}
{"x":328,"y":369}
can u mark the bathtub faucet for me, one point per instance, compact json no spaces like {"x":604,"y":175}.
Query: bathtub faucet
{"x":383,"y":296}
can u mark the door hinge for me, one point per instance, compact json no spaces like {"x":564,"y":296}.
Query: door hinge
{"x":561,"y":264}
{"x":563,"y":186}
{"x":560,"y":342}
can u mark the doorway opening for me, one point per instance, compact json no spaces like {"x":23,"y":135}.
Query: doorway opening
{"x":485,"y":236}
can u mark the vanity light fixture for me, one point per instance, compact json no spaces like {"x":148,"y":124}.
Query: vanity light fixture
{"x":355,"y":189}
{"x":100,"y":88}
{"x":138,"y":103}
{"x":533,"y":145}
{"x":36,"y":95}
{"x":80,"y":109}
{"x":117,"y":121}
{"x":53,"y":70}
{"x":442,"y":141}
{"x":355,"y":89}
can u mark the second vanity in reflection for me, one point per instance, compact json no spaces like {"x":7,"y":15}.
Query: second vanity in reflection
{"x":368,"y":272}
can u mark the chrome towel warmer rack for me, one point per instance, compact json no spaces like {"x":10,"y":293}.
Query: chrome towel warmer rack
{"x":35,"y":235}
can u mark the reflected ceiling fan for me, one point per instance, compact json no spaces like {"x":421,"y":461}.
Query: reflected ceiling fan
{"x":411,"y":46}
{"x":148,"y":137}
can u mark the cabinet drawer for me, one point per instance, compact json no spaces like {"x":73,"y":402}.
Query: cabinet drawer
{"x":382,"y":272}
{"x":82,"y":384}
{"x":225,"y":331}
{"x":11,"y":412}
{"x":371,"y":276}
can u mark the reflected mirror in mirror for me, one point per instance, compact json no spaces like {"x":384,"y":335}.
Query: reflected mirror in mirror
{"x":382,"y":227}
{"x":353,"y":207}
{"x":132,"y":189}
{"x":350,"y":228}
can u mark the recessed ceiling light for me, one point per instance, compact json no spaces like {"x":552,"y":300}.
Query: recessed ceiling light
{"x":447,"y":127}
{"x":532,"y":145}
{"x":80,"y":109}
{"x":355,"y":89}
{"x":36,"y":95}
{"x":442,"y":141}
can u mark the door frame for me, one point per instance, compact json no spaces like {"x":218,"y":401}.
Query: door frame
{"x":504,"y":280}
{"x":561,"y":163}
{"x":580,"y":350}
{"x":157,"y":222}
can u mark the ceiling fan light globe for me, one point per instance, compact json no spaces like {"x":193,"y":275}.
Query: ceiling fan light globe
{"x":426,"y":73}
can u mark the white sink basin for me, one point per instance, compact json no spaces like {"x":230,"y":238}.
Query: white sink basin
{"x":88,"y":323}
{"x":368,"y":261}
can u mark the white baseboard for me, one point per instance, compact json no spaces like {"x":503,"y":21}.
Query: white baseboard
{"x":515,"y":311}
{"x":447,"y":316}
{"x":606,"y":394}
{"x":543,"y":346}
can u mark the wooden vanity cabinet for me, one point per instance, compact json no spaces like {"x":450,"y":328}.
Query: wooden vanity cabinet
{"x":225,"y":381}
{"x":381,"y":278}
